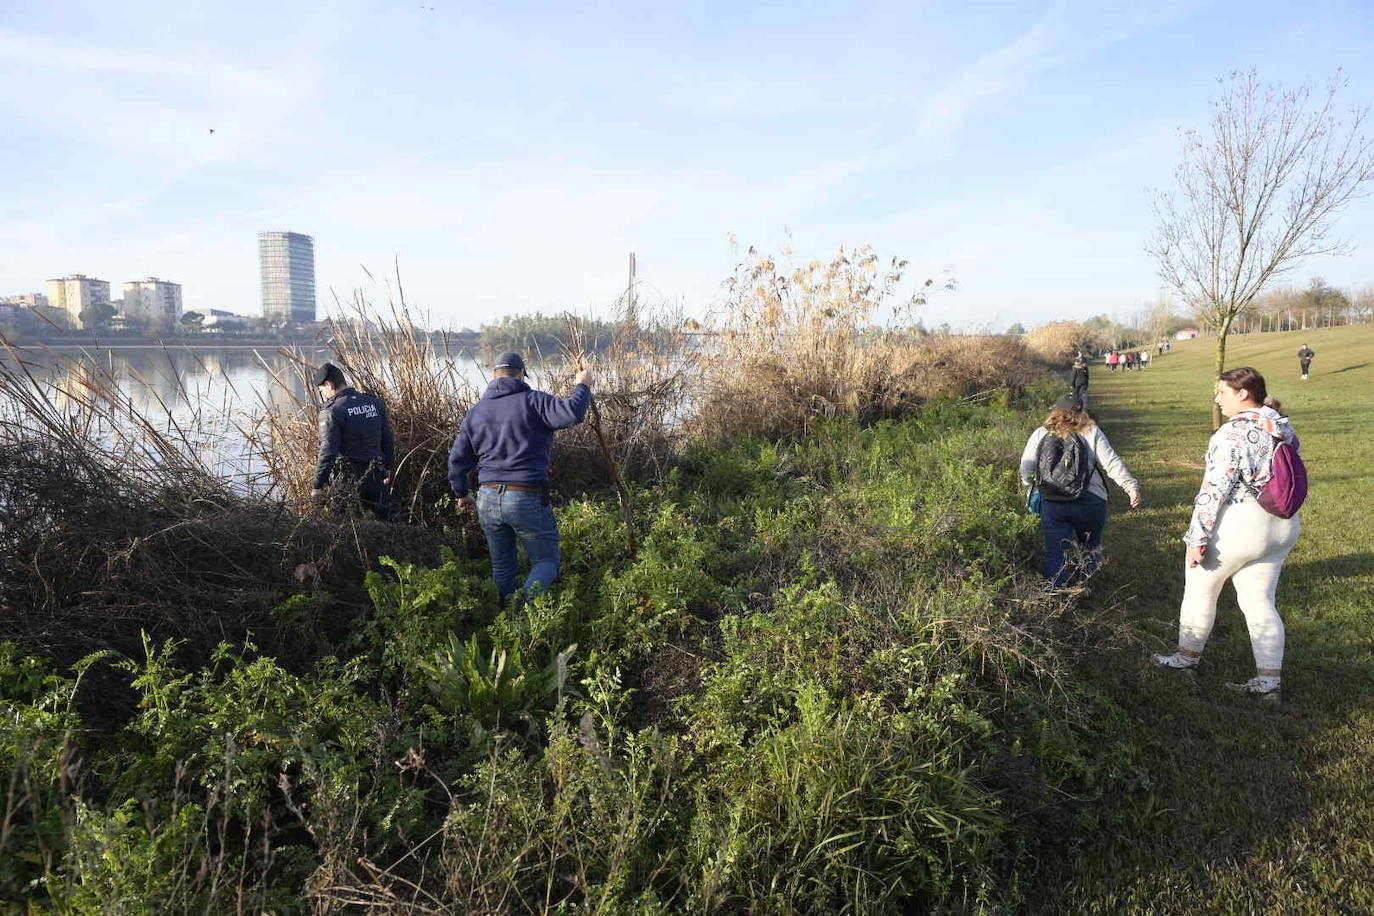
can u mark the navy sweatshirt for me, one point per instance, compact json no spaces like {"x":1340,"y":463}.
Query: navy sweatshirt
{"x":508,"y":434}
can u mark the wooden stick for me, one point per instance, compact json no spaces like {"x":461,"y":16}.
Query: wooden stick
{"x":577,"y":355}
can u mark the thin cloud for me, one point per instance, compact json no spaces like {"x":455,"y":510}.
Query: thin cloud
{"x":49,"y":55}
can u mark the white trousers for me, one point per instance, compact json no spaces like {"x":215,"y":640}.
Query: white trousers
{"x":1248,"y":547}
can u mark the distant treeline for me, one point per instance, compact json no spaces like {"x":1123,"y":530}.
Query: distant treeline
{"x":546,"y":335}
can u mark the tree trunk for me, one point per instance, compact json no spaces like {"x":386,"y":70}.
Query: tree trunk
{"x":1221,"y":367}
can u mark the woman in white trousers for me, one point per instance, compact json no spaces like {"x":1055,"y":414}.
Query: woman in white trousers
{"x":1232,"y":537}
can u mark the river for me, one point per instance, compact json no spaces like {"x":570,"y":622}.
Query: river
{"x":205,"y":395}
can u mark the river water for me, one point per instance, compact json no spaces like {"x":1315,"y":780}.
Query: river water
{"x":205,"y":396}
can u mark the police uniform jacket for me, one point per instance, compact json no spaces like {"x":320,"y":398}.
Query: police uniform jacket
{"x":354,"y":426}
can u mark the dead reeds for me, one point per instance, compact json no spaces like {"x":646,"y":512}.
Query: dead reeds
{"x":417,"y":374}
{"x":114,"y":522}
{"x":799,"y":343}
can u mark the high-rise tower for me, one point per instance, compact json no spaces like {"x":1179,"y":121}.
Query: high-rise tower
{"x":288,"y":276}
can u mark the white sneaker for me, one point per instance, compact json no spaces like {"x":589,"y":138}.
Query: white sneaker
{"x":1176,"y":660}
{"x":1258,"y":686}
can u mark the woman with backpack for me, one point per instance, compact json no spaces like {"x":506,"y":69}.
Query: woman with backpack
{"x":1064,"y":462}
{"x":1239,"y":531}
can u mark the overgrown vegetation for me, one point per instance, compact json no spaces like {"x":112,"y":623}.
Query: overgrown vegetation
{"x":820,"y":685}
{"x":826,"y":680}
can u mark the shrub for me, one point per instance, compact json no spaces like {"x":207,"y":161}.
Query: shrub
{"x":798,"y":344}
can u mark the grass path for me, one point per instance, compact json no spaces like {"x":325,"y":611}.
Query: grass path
{"x":1238,"y":807}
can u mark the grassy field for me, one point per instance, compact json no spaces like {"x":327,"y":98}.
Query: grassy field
{"x":1238,"y":807}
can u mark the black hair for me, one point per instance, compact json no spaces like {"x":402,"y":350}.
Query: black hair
{"x":1246,"y":378}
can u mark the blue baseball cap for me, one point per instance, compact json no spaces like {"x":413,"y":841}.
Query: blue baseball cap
{"x":510,"y":360}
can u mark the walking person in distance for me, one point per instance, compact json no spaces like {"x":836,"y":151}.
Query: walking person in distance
{"x":1233,"y":536}
{"x":1305,"y":360}
{"x":1065,"y":459}
{"x":1080,"y":382}
{"x":357,"y":450}
{"x":508,"y":437}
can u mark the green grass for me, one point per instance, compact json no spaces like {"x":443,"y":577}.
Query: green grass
{"x":1241,"y":807}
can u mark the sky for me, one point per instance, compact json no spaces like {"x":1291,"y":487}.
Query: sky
{"x":508,"y":157}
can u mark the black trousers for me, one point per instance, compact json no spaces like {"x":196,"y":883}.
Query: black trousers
{"x":363,"y":481}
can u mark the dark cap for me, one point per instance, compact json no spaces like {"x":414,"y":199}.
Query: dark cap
{"x":1067,"y":402}
{"x":510,"y":360}
{"x":328,"y":373}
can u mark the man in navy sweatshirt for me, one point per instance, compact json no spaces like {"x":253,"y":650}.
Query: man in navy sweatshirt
{"x":508,"y":437}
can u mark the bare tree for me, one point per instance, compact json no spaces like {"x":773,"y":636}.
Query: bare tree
{"x":1257,"y":193}
{"x":1157,"y":319}
{"x":1363,"y":303}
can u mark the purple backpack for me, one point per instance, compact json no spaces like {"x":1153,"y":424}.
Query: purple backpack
{"x":1286,"y":490}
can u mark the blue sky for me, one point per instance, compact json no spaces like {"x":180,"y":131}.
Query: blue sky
{"x":511,"y":155}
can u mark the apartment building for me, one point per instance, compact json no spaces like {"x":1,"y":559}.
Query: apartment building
{"x":152,"y":304}
{"x":76,"y":293}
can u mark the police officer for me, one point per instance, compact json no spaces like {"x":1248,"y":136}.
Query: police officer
{"x":356,"y":444}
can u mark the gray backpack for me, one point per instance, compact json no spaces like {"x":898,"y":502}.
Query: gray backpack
{"x":1064,"y":466}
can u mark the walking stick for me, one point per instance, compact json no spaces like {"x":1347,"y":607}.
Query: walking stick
{"x":626,"y":509}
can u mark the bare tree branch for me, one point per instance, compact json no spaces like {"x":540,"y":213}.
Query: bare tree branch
{"x":1257,"y":193}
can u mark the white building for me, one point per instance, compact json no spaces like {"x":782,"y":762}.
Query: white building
{"x":152,"y":303}
{"x":76,"y":293}
{"x":218,"y":318}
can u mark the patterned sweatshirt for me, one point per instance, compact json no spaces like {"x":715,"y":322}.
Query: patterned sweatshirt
{"x":1239,"y":463}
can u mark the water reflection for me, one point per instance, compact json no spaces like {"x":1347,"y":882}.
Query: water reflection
{"x":205,"y":398}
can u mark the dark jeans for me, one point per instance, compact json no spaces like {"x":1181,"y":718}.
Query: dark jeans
{"x":513,"y":517}
{"x":1073,"y":537}
{"x":1080,"y":394}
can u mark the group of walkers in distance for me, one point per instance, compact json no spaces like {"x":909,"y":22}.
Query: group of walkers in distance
{"x":1244,"y":520}
{"x":1243,"y":526}
{"x":1128,"y":359}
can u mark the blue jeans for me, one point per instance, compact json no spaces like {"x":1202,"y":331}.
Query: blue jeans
{"x":513,"y":517}
{"x":1073,"y":537}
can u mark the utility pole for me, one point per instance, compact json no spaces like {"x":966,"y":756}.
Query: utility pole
{"x":631,"y":294}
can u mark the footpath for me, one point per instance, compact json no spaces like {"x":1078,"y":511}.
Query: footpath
{"x":1236,"y":806}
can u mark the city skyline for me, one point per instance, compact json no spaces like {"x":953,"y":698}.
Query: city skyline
{"x":510,"y":160}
